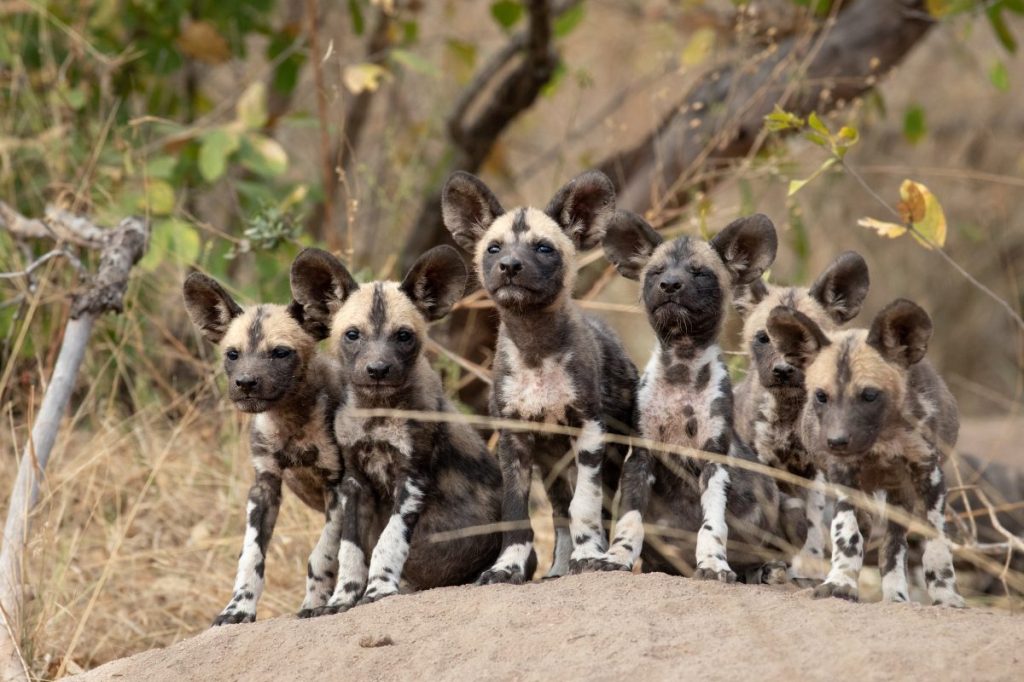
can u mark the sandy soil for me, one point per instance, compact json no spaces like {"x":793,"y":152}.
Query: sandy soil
{"x":601,"y":627}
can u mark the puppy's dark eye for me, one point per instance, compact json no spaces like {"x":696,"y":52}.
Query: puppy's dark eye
{"x":352,"y":335}
{"x":280,"y":353}
{"x":494,"y":248}
{"x":762,"y":337}
{"x":232,"y":354}
{"x":403,"y":336}
{"x":544,"y":247}
{"x":696,"y":270}
{"x":821,"y":396}
{"x":869,"y":395}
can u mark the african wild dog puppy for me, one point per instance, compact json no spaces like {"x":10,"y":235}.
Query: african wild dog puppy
{"x":685,"y":396}
{"x":553,"y":364}
{"x":275,"y":373}
{"x":771,"y":398}
{"x":879,"y":419}
{"x":405,"y":479}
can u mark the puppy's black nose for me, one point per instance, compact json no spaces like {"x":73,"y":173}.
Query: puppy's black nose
{"x":246,"y":383}
{"x":510,"y":265}
{"x":782,"y":372}
{"x":378,"y":370}
{"x":838,"y":442}
{"x":670,"y":284}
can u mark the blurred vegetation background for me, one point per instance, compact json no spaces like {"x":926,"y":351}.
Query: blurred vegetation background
{"x":247,"y":129}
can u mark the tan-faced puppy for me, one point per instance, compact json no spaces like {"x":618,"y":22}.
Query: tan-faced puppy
{"x":770,"y":400}
{"x":553,"y":364}
{"x":405,"y":479}
{"x":879,"y":419}
{"x":275,"y":372}
{"x":685,"y":398}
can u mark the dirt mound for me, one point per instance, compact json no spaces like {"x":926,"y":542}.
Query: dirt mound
{"x":597,"y":627}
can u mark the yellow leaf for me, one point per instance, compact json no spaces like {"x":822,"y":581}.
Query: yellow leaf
{"x":272,"y":152}
{"x":926,"y":213}
{"x":158,"y":197}
{"x":884,"y":229}
{"x":251,"y":107}
{"x":200,"y":40}
{"x":699,"y":47}
{"x":364,"y":77}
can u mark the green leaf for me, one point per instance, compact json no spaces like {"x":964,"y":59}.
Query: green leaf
{"x":699,"y":47}
{"x":174,"y":240}
{"x":506,"y":13}
{"x":252,"y":106}
{"x":414,"y":62}
{"x":1002,"y":31}
{"x":557,"y":77}
{"x":217,"y":145}
{"x":161,"y":167}
{"x":356,"y":13}
{"x":999,"y":77}
{"x":570,"y":19}
{"x":816,"y":138}
{"x":780,"y":120}
{"x":913,"y":124}
{"x":817,"y":125}
{"x":157,"y":198}
{"x":464,"y":52}
{"x":263,"y":155}
{"x":796,"y":185}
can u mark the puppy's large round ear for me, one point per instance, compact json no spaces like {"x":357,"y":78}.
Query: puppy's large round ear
{"x":842,"y":287}
{"x":629,"y":242}
{"x":583,"y":207}
{"x":209,"y":306}
{"x":747,"y":246}
{"x":797,"y":337}
{"x":436,"y":282}
{"x":468,"y":207}
{"x":320,"y":284}
{"x":900,"y":332}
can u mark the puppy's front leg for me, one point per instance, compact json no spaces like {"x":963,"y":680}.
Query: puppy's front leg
{"x":588,"y":537}
{"x":516,"y":460}
{"x":847,"y":554}
{"x":351,"y":582}
{"x":939,"y":575}
{"x":713,"y":536}
{"x":322,"y":568}
{"x":261,"y":515}
{"x":392,"y":549}
{"x":637,"y":479}
{"x":808,"y":564}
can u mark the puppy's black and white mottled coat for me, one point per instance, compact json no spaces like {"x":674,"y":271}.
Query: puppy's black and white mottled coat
{"x":770,"y":399}
{"x":553,"y":364}
{"x":275,"y":373}
{"x":405,"y":479}
{"x":879,"y":419}
{"x":685,"y":398}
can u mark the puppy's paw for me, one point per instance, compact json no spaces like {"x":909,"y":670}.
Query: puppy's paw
{"x":721,"y":575}
{"x":234,"y":617}
{"x":512,"y":575}
{"x":952,"y":600}
{"x":837,"y":590}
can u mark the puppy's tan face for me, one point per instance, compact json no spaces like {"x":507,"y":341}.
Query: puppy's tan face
{"x":378,"y":333}
{"x":853,"y":392}
{"x":525,"y":260}
{"x":266,"y":352}
{"x":772,"y":369}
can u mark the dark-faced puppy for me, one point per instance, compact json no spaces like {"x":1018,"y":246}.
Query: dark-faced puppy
{"x":771,"y":398}
{"x":275,"y":373}
{"x":553,"y":364}
{"x":879,"y":419}
{"x":685,"y":398}
{"x":405,"y":479}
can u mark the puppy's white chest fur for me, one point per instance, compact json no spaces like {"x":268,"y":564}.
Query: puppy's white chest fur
{"x":542,"y":393}
{"x":679,"y":407}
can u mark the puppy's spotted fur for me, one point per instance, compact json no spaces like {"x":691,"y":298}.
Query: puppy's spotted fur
{"x":685,"y":399}
{"x":405,"y":480}
{"x":771,"y":398}
{"x":275,"y":373}
{"x":879,"y":419}
{"x":553,"y":364}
